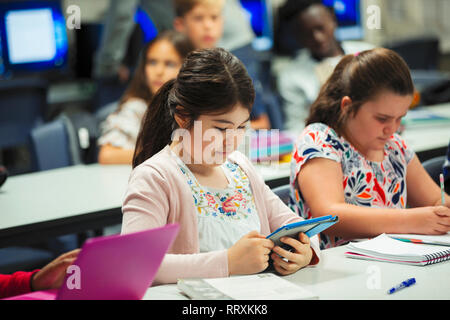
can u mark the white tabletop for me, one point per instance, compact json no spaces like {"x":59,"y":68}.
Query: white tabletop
{"x":85,"y":189}
{"x":55,"y":194}
{"x":432,"y":135}
{"x":76,"y":190}
{"x":339,"y":278}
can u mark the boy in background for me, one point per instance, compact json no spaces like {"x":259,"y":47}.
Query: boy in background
{"x":300,"y":81}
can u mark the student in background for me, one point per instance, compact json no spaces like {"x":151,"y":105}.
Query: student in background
{"x":350,"y":162}
{"x":49,"y":277}
{"x":120,"y":20}
{"x":160,"y":61}
{"x":203,"y":22}
{"x":300,"y":80}
{"x":223,"y":206}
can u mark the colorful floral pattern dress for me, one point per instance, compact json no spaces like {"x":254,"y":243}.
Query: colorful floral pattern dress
{"x":366,"y":183}
{"x":224,"y":215}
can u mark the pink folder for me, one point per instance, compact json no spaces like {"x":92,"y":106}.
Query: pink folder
{"x":118,"y":267}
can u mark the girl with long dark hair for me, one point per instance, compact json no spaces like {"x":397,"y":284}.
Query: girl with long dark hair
{"x":187,"y":171}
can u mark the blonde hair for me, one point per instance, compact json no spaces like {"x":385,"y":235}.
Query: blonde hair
{"x":182,"y":7}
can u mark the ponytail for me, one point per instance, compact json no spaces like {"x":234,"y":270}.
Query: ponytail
{"x":157,"y":125}
{"x":211,"y":81}
{"x":361,"y":77}
{"x":327,"y":106}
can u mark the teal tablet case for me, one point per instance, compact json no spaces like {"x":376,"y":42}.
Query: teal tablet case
{"x":310,"y":227}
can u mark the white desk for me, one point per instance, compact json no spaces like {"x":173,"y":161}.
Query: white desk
{"x":430,"y":136}
{"x":55,"y":194}
{"x":90,"y":196}
{"x":71,"y":199}
{"x":65,"y":200}
{"x":340,"y":278}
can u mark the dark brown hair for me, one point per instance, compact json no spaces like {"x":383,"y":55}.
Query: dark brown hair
{"x":138,"y":87}
{"x":211,"y":81}
{"x":182,"y":7}
{"x":361,"y":77}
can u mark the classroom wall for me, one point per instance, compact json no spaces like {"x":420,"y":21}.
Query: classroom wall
{"x":401,"y":19}
{"x":91,"y":11}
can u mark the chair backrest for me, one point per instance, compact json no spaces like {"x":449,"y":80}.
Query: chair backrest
{"x":419,"y":53}
{"x":50,"y":146}
{"x":22,"y":105}
{"x":434,"y":167}
{"x":283,"y":193}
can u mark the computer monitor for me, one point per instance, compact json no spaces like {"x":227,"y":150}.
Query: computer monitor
{"x":349,"y":18}
{"x":32,"y":37}
{"x":259,"y":13}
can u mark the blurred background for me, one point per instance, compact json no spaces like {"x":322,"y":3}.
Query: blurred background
{"x":62,"y":72}
{"x":49,"y":51}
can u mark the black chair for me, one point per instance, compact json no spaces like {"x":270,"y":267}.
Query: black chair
{"x":50,"y":150}
{"x":434,"y":167}
{"x":283,"y":193}
{"x":58,"y":144}
{"x":50,"y":146}
{"x":14,"y":259}
{"x":22,"y":105}
{"x":419,"y":53}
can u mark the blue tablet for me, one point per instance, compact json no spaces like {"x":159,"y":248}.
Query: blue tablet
{"x":310,"y":227}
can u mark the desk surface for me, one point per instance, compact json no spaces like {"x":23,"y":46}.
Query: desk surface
{"x":78,"y":197}
{"x":429,"y":136}
{"x":340,"y":278}
{"x":55,"y":202}
{"x":54,"y":194}
{"x":92,"y":194}
{"x":75,"y":190}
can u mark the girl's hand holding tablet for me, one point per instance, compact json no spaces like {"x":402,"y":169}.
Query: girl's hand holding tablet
{"x":287,"y":262}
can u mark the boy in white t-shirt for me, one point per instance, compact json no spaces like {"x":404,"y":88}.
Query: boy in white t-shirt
{"x":300,"y":81}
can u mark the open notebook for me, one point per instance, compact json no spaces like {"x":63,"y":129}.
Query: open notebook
{"x":384,"y":248}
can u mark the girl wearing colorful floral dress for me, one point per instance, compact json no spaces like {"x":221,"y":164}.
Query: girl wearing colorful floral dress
{"x":349,"y":161}
{"x":187,"y":171}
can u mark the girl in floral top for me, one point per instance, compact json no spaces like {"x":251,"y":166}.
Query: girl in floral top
{"x":350,"y":162}
{"x":187,"y":171}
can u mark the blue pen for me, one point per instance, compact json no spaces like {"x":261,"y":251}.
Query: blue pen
{"x":402,"y":285}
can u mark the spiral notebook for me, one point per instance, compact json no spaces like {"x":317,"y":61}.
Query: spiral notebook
{"x":384,"y":248}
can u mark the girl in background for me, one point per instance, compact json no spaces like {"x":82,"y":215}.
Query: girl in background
{"x":160,"y":61}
